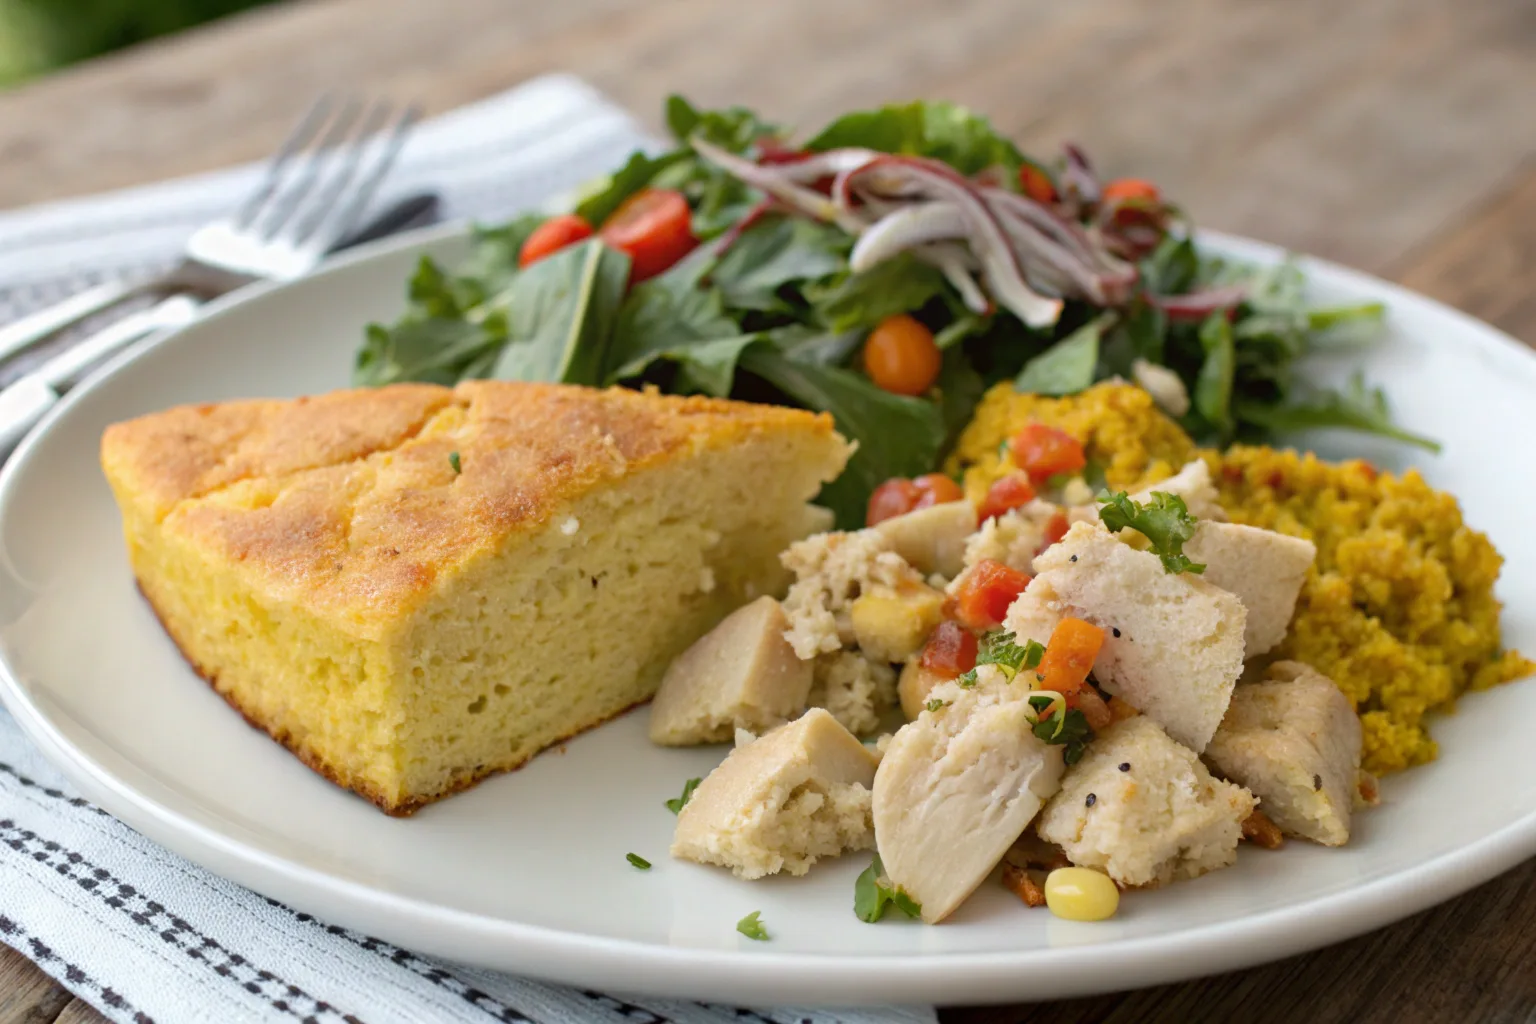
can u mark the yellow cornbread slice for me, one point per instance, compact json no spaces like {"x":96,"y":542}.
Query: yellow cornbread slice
{"x":414,"y":587}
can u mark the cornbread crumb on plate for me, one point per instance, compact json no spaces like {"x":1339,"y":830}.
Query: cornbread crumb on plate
{"x":408,"y":622}
{"x":1398,"y":609}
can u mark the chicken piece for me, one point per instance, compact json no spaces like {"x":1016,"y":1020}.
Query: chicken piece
{"x":914,"y":685}
{"x":1192,"y":483}
{"x":1264,"y":569}
{"x":955,"y":789}
{"x":891,"y":624}
{"x":1173,"y":644}
{"x":1144,"y":809}
{"x":932,"y":539}
{"x":740,"y":675}
{"x":1294,"y":741}
{"x":831,"y":571}
{"x":855,"y":689}
{"x":781,"y":802}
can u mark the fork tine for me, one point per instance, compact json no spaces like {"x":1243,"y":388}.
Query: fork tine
{"x":332,"y":186}
{"x":297,"y":139}
{"x":342,"y":217}
{"x":287,"y":195}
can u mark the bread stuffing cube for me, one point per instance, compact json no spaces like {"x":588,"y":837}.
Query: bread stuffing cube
{"x":1261,"y":568}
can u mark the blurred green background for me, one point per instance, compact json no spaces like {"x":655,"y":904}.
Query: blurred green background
{"x":37,"y":36}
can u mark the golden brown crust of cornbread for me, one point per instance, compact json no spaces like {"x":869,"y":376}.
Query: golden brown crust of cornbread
{"x":312,"y":761}
{"x":348,"y":504}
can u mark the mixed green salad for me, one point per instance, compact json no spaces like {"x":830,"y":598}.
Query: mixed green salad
{"x":888,"y":270}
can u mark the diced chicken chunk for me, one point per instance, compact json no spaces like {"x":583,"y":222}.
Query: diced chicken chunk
{"x":955,"y":789}
{"x":932,"y":539}
{"x":1173,"y":644}
{"x":781,"y":802}
{"x":856,"y":690}
{"x":1192,"y":483}
{"x":891,"y":624}
{"x":1264,"y":569}
{"x":740,"y":675}
{"x":1294,"y":741}
{"x":1144,"y":809}
{"x":831,"y":571}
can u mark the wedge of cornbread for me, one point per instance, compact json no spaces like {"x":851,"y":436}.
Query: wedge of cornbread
{"x":414,"y":587}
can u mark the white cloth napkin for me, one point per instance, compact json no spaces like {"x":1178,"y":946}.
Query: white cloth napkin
{"x":135,"y":930}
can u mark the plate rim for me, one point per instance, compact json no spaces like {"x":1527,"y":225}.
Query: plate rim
{"x":758,"y":975}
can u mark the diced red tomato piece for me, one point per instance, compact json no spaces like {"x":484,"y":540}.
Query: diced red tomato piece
{"x":1069,"y":656}
{"x":936,"y":489}
{"x":985,"y":593}
{"x":1037,"y":184}
{"x":654,"y":227}
{"x":896,"y":497}
{"x":1055,"y":528}
{"x":1012,"y":491}
{"x":950,"y":650}
{"x":552,"y":236}
{"x":1044,"y":452}
{"x":1135,"y":189}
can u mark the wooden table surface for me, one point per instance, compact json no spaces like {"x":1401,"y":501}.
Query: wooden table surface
{"x":1393,"y":135}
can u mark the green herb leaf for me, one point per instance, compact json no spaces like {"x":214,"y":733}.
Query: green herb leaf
{"x":1213,"y":387}
{"x":561,"y":312}
{"x":639,"y":171}
{"x":753,"y":928}
{"x":936,"y":703}
{"x":1356,"y":408}
{"x":872,"y":894}
{"x":677,"y":804}
{"x":638,"y":861}
{"x":897,"y":436}
{"x":902,"y":284}
{"x":1165,"y":522}
{"x":999,"y":648}
{"x":1173,"y":268}
{"x":733,"y":128}
{"x":1068,"y":366}
{"x":1326,"y":318}
{"x":430,"y":351}
{"x":453,"y":460}
{"x":773,"y":253}
{"x":943,"y":131}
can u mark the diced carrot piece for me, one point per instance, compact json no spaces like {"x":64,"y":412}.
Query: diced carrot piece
{"x":1044,"y":452}
{"x":1010,"y":492}
{"x":950,"y":650}
{"x":984,"y":594}
{"x":1069,"y":656}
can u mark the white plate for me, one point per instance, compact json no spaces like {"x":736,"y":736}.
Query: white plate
{"x":527,"y":872}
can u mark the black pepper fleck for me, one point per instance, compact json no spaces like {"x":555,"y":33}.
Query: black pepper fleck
{"x":1125,"y":766}
{"x":1116,"y":631}
{"x":1317,"y":782}
{"x":1072,"y":559}
{"x":1092,"y":799}
{"x":594,"y":582}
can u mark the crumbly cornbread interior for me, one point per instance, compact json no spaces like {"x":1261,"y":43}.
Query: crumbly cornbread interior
{"x":415,"y":587}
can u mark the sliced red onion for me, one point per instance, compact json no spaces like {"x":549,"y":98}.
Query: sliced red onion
{"x":954,"y":261}
{"x":908,"y":227}
{"x":1199,"y":305}
{"x":828,"y":164}
{"x":1079,"y":185}
{"x":776,"y":183}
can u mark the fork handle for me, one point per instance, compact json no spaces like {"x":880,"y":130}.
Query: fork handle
{"x":30,"y":330}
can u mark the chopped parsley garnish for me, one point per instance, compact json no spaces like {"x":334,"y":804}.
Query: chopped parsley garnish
{"x":453,"y":460}
{"x":936,"y":704}
{"x":638,"y":861}
{"x":752,"y":928}
{"x":1057,"y":725}
{"x":998,"y":648}
{"x":677,"y":804}
{"x":1165,"y":522}
{"x":871,"y":895}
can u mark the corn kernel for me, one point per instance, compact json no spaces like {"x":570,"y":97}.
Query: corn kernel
{"x":1081,"y":894}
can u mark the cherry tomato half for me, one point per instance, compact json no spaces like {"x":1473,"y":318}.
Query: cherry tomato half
{"x":1044,"y":452}
{"x":1009,"y":492}
{"x":900,"y":356}
{"x":983,"y":597}
{"x":552,"y":236}
{"x":654,"y":227}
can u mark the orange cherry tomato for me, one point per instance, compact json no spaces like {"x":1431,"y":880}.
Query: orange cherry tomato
{"x":654,"y":228}
{"x":1134,"y":189}
{"x":985,"y":593}
{"x":1044,"y":452}
{"x":936,"y":489}
{"x":1037,"y":184}
{"x":1069,"y":656}
{"x":1055,"y":528}
{"x":950,"y":650}
{"x":552,"y":236}
{"x":900,"y":356}
{"x":1012,"y":491}
{"x":896,"y":497}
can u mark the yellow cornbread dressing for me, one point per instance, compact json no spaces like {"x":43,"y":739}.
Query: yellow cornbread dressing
{"x":1399,"y":608}
{"x":1081,"y":894}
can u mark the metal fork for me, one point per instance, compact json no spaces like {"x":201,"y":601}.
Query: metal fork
{"x":313,"y":191}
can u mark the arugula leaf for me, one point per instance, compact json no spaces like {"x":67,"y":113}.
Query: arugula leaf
{"x":561,"y":312}
{"x":937,"y":129}
{"x":897,"y":436}
{"x":872,"y":895}
{"x":899,"y":285}
{"x":1326,"y":318}
{"x":1069,"y":729}
{"x":734,"y":128}
{"x":1067,"y":367}
{"x":1356,"y":408}
{"x":1165,"y":522}
{"x":638,"y":861}
{"x":775,"y":252}
{"x":677,"y":804}
{"x":959,"y":390}
{"x":493,"y":255}
{"x":752,"y":927}
{"x":434,"y":351}
{"x":1212,"y":396}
